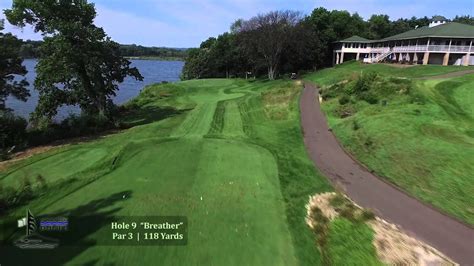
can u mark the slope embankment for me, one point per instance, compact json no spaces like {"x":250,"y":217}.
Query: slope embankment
{"x":444,"y":233}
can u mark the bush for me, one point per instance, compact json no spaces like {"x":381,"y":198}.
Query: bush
{"x":369,"y":97}
{"x":12,"y":132}
{"x":344,"y":111}
{"x":7,"y":198}
{"x":367,"y":215}
{"x":344,"y":100}
{"x":337,"y":200}
{"x":72,"y":126}
{"x":355,"y":125}
{"x":331,"y":91}
{"x":364,"y":83}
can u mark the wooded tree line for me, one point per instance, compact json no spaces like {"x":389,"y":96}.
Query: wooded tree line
{"x":31,"y":49}
{"x":281,"y":42}
{"x":161,"y":52}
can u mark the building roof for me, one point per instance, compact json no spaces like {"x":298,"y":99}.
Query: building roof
{"x":448,"y":30}
{"x":438,"y":18}
{"x":355,"y":38}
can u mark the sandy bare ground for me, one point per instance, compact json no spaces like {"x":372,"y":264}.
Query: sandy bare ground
{"x":444,"y":233}
{"x":393,"y":246}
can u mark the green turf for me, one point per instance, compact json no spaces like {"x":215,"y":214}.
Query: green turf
{"x":425,"y":147}
{"x":56,"y":166}
{"x":349,"y":243}
{"x":341,"y":72}
{"x":235,"y":144}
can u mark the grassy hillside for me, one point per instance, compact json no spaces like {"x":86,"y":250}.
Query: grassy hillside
{"x":228,"y":154}
{"x":418,"y":133}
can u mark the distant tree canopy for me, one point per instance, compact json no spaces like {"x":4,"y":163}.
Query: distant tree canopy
{"x":464,"y":19}
{"x":161,"y":52}
{"x":78,"y":63}
{"x":283,"y":41}
{"x":31,"y":49}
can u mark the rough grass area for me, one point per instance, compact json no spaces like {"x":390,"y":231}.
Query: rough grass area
{"x":228,"y":154}
{"x":416,"y":133}
{"x":344,"y":236}
{"x":341,"y":229}
{"x":350,"y":69}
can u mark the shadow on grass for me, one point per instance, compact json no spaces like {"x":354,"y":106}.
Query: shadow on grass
{"x":129,"y":118}
{"x":148,"y":114}
{"x":74,"y":241}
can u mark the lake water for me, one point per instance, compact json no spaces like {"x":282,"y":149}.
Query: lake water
{"x":153,"y":71}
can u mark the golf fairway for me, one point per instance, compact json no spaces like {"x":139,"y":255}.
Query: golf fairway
{"x":200,"y":164}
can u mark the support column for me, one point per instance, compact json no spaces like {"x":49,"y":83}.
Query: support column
{"x":342,"y":58}
{"x":415,"y":58}
{"x":468,"y":55}
{"x":337,"y":58}
{"x":357,"y":56}
{"x":426,"y":57}
{"x":400,"y":56}
{"x":446,"y":59}
{"x":466,"y":60}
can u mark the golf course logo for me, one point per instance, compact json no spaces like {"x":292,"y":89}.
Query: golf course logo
{"x":32,"y":239}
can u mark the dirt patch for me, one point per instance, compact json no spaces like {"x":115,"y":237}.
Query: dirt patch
{"x":393,"y":246}
{"x":322,"y":202}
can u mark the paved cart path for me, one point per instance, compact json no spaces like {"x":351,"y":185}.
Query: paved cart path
{"x":453,"y":238}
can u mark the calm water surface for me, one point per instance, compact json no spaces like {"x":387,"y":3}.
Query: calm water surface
{"x":153,"y":71}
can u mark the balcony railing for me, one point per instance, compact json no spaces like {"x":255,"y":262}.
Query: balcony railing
{"x":380,"y":50}
{"x":414,"y":48}
{"x":431,"y":48}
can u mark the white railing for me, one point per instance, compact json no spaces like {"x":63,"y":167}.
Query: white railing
{"x":377,"y":58}
{"x":380,"y":50}
{"x":431,"y":48}
{"x":383,"y":56}
{"x":460,"y":49}
{"x":398,"y":49}
{"x":412,"y":49}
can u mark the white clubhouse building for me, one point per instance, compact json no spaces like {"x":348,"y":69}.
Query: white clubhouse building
{"x":441,"y":43}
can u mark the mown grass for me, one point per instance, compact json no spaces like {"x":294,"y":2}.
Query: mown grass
{"x":418,"y":135}
{"x":228,"y":154}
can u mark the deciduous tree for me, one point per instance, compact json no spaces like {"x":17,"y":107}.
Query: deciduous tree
{"x":268,"y":35}
{"x":11,"y":65}
{"x":79,"y":64}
